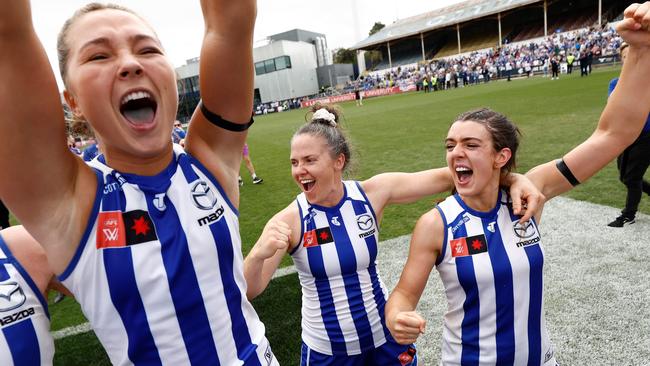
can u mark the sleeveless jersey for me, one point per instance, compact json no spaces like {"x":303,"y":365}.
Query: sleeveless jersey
{"x":343,"y":297}
{"x":25,"y":338}
{"x":159,"y":270}
{"x":491,"y":268}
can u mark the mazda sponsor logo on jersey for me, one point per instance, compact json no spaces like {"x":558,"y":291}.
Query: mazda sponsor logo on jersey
{"x":20,"y":315}
{"x":11,"y":296}
{"x":203,"y":196}
{"x":365,"y":222}
{"x":526,"y":231}
{"x":213,"y":217}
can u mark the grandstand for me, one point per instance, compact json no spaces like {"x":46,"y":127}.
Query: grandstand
{"x":481,"y":24}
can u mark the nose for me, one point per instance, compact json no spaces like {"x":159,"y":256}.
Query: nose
{"x":130,"y":67}
{"x":298,"y":169}
{"x":456,"y":151}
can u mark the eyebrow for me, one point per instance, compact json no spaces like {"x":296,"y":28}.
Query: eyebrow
{"x":464,"y":139}
{"x":105,"y":41}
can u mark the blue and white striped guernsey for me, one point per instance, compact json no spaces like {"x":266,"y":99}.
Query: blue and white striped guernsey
{"x":343,"y":297}
{"x":25,"y":338}
{"x":159,"y":271}
{"x":491,"y":267}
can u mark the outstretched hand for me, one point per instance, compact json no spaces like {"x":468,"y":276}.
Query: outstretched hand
{"x":635,"y":26}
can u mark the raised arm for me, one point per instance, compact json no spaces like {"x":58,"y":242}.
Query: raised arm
{"x":41,"y":181}
{"x":226,"y":82}
{"x":624,"y":115}
{"x":389,"y":188}
{"x":280,"y":234}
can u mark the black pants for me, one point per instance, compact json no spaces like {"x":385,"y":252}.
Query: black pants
{"x":4,"y":216}
{"x":556,"y":73}
{"x":632,"y":165}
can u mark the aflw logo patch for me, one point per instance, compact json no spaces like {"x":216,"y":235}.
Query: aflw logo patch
{"x":119,"y":229}
{"x":470,"y":245}
{"x":316,"y":237}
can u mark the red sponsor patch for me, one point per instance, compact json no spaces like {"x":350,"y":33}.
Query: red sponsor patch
{"x":309,"y":239}
{"x":459,"y":247}
{"x":110,"y":230}
{"x":470,"y":245}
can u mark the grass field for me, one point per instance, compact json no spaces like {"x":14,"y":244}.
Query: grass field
{"x":396,"y":133}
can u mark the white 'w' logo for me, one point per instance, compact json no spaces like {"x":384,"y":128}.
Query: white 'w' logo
{"x":110,"y":234}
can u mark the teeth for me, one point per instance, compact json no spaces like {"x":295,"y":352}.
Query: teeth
{"x":305,"y":181}
{"x":462,"y":169}
{"x":135,"y":95}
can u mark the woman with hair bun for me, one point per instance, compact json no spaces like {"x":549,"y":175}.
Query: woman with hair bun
{"x":332,"y":230}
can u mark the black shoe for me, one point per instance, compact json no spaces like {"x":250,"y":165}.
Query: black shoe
{"x":257,"y":180}
{"x":621,"y":221}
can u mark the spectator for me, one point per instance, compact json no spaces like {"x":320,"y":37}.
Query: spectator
{"x":632,"y":165}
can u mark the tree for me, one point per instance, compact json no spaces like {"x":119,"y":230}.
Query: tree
{"x":344,"y":56}
{"x":376,"y":28}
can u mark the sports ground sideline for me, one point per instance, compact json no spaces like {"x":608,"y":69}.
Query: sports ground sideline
{"x":597,"y":282}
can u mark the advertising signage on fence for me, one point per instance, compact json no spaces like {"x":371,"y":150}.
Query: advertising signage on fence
{"x":366,"y":94}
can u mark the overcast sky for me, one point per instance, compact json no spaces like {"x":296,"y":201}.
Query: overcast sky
{"x":180,"y":26}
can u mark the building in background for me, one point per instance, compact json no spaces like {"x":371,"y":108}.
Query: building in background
{"x":290,"y":66}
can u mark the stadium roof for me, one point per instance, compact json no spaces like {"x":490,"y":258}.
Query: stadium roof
{"x":440,"y":18}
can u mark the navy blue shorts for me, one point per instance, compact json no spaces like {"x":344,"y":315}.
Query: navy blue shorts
{"x":389,"y":354}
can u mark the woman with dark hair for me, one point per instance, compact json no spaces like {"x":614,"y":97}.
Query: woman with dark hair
{"x":489,"y":260}
{"x":146,"y":235}
{"x":331,"y":231}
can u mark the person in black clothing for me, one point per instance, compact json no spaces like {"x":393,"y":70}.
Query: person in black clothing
{"x":4,"y":216}
{"x":555,"y":68}
{"x":632,"y":165}
{"x":584,"y":64}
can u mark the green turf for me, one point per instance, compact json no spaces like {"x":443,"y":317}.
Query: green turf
{"x":397,"y":133}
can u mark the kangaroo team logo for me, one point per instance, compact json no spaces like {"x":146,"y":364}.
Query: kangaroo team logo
{"x":11,"y":296}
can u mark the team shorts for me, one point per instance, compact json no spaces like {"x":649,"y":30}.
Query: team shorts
{"x":389,"y":354}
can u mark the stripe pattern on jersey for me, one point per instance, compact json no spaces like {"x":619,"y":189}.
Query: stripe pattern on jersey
{"x":343,"y":296}
{"x":25,"y":337}
{"x":495,"y":296}
{"x":163,"y":255}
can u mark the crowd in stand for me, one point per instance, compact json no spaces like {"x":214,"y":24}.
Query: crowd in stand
{"x":523,"y":58}
{"x":546,"y":55}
